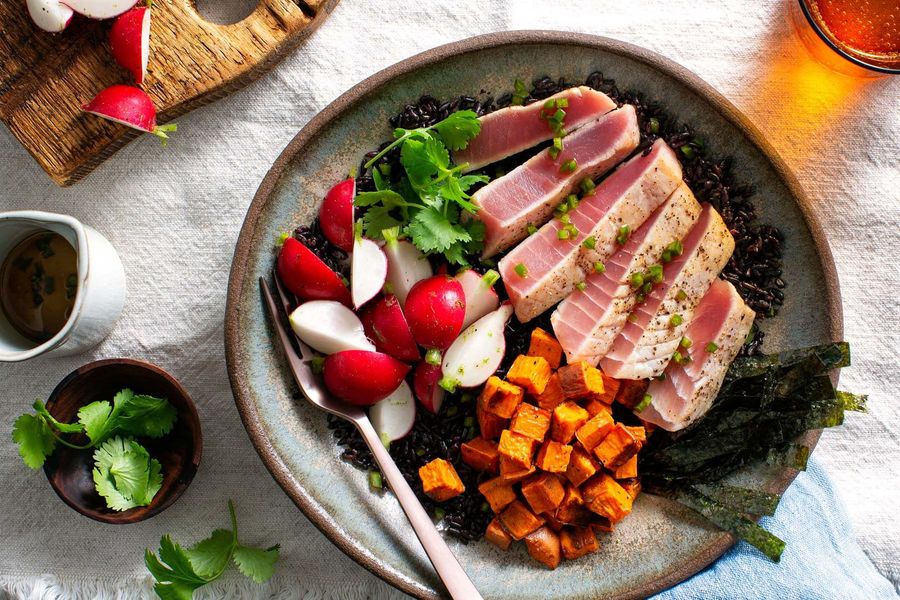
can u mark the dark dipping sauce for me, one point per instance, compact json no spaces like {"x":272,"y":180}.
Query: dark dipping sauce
{"x":38,"y":285}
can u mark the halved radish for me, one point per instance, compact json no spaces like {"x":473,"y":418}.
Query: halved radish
{"x":393,"y":417}
{"x":478,"y":352}
{"x":307,"y":277}
{"x":385,"y":324}
{"x":362,"y":377}
{"x":480,"y":295}
{"x":50,"y":15}
{"x":406,"y":264}
{"x":100,"y":9}
{"x":329,"y":327}
{"x":435,"y":309}
{"x":425,"y":383}
{"x":368,"y":270}
{"x":129,"y":106}
{"x":129,"y":42}
{"x":336,"y":214}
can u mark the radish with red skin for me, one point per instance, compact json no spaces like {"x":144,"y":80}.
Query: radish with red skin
{"x":435,"y":309}
{"x":362,"y":377}
{"x":425,"y":383}
{"x":129,"y":106}
{"x":393,"y":418}
{"x":406,"y":264}
{"x":336,"y":214}
{"x":329,"y":327}
{"x":307,"y":277}
{"x":368,"y":270}
{"x":100,"y":9}
{"x":50,"y":15}
{"x":386,"y":325}
{"x":129,"y":42}
{"x":477,"y":352}
{"x":480,"y":295}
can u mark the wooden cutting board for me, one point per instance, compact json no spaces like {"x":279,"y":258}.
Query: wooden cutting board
{"x":45,"y":78}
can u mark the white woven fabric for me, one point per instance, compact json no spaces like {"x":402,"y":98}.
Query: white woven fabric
{"x":174,"y":216}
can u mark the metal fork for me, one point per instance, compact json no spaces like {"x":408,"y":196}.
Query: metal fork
{"x":448,"y":568}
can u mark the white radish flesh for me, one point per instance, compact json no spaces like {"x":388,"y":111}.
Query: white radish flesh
{"x":406,"y":265}
{"x":329,"y":327}
{"x":480,"y":295}
{"x":393,"y":417}
{"x":477,"y":352}
{"x":49,"y":15}
{"x":368,"y":271}
{"x":100,"y":9}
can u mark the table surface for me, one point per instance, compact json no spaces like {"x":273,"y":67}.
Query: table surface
{"x":174,"y":216}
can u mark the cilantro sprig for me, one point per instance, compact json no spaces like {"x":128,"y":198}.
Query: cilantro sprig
{"x":179,"y":571}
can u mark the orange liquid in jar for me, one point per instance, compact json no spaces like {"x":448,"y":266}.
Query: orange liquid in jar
{"x":868,"y":30}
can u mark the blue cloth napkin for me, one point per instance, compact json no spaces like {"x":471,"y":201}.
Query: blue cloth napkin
{"x":821,"y":561}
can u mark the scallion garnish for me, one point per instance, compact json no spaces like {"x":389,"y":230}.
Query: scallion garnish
{"x":637,"y":280}
{"x":712,"y":347}
{"x":590,"y":242}
{"x":675,"y":320}
{"x":644,"y":403}
{"x":623,"y":234}
{"x":681,"y":295}
{"x":599,"y":267}
{"x":531,"y":229}
{"x":562,"y":234}
{"x":581,"y":286}
{"x":587,"y":186}
{"x":686,"y":342}
{"x":375,"y":481}
{"x":569,"y":166}
{"x":521,"y":270}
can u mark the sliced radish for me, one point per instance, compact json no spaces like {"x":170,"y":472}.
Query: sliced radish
{"x":336,"y":214}
{"x":406,"y":264}
{"x":129,"y":106}
{"x":393,"y":417}
{"x":368,"y":270}
{"x":362,"y":377}
{"x":100,"y":9}
{"x":129,"y":42}
{"x":50,"y":15}
{"x":435,"y":309}
{"x":425,"y":383}
{"x":385,"y":324}
{"x":480,"y":295}
{"x":307,"y":276}
{"x":478,"y":352}
{"x":329,"y":327}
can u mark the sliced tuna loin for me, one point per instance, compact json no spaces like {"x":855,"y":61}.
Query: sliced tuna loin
{"x":654,"y":329}
{"x":511,"y":130}
{"x":529,"y":193}
{"x":587,"y":322}
{"x":554,"y":266}
{"x":716,"y":332}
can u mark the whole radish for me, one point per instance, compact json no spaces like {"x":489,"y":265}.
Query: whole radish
{"x":368,"y":270}
{"x":393,"y":418}
{"x":329,"y":327}
{"x":406,"y":264}
{"x":362,"y":377}
{"x":129,"y":42}
{"x":307,"y":277}
{"x":50,"y":15}
{"x":386,"y":325}
{"x":425,"y":383}
{"x":435,"y":310}
{"x":480,"y":295}
{"x":336,"y":214}
{"x":129,"y":106}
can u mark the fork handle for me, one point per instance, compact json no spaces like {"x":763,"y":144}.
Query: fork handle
{"x":448,"y":568}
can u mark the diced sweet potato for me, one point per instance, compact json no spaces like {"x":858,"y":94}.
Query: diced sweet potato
{"x":481,"y":455}
{"x":604,"y":496}
{"x":617,"y":447}
{"x":632,"y":486}
{"x":440,"y":480}
{"x":544,"y":344}
{"x":628,"y":469}
{"x":498,"y":492}
{"x":592,"y":433}
{"x":567,"y":418}
{"x":519,"y":521}
{"x":530,"y":372}
{"x":581,"y":381}
{"x":543,"y":546}
{"x":639,"y":433}
{"x":554,"y":457}
{"x":610,"y":389}
{"x":631,"y":391}
{"x":554,"y":523}
{"x":489,"y":424}
{"x":553,"y":394}
{"x":517,"y":450}
{"x":544,"y":492}
{"x":530,"y":421}
{"x":512,"y":473}
{"x":602,"y":524}
{"x":500,"y":397}
{"x":581,"y":466}
{"x":496,"y":535}
{"x":571,"y":510}
{"x":594,"y":407}
{"x":578,"y":541}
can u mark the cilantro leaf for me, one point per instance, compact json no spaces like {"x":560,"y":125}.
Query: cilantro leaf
{"x":175,"y":591}
{"x":61,"y":427}
{"x":95,"y":418}
{"x":386,"y":197}
{"x":458,"y":128}
{"x":256,"y":563}
{"x":209,"y":557}
{"x":34,"y":438}
{"x":424,"y":158}
{"x":432,"y":231}
{"x":124,"y":474}
{"x":143,"y":415}
{"x":377,"y":219}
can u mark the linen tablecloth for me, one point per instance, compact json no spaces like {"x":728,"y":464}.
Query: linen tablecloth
{"x":174,"y":215}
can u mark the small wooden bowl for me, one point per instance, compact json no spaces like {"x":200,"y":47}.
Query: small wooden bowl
{"x":69,"y":470}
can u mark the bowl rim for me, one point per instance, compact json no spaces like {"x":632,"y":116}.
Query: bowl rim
{"x":369,"y":86}
{"x":185,"y":479}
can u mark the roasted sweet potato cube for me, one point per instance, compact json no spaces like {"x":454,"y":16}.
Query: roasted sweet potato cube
{"x":519,"y":521}
{"x":481,"y":455}
{"x":530,"y":372}
{"x":571,"y":510}
{"x":554,"y":457}
{"x":610,"y":388}
{"x":489,"y":424}
{"x":552,"y":395}
{"x":544,"y":492}
{"x":512,"y":473}
{"x":498,"y":492}
{"x":592,"y":433}
{"x":594,"y":407}
{"x":581,"y":466}
{"x":628,"y":469}
{"x":581,"y":381}
{"x":639,"y":433}
{"x":544,"y":344}
{"x":604,"y":496}
{"x":496,"y":535}
{"x":554,"y":523}
{"x":601,"y":524}
{"x":617,"y":447}
{"x":543,"y":546}
{"x":631,"y":391}
{"x":517,"y":450}
{"x":567,"y":418}
{"x":578,"y":541}
{"x":500,"y":397}
{"x":440,"y":480}
{"x":632,"y":486}
{"x":530,"y":421}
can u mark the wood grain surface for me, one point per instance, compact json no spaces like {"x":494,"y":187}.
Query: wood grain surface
{"x":45,"y":78}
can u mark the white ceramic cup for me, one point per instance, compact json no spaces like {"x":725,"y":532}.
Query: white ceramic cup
{"x":101,"y":286}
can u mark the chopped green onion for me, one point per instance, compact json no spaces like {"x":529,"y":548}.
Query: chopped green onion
{"x":572,"y":201}
{"x":375,"y":480}
{"x":485,"y":507}
{"x":655,"y":273}
{"x":686,"y":342}
{"x":549,"y":105}
{"x":647,"y":287}
{"x":590,"y":242}
{"x":521,"y":92}
{"x":688,"y":152}
{"x":558,"y":143}
{"x":385,"y":440}
{"x":675,"y":320}
{"x":489,"y":262}
{"x":531,"y":229}
{"x":677,"y":357}
{"x":565,"y":218}
{"x":581,"y":286}
{"x":631,"y":318}
{"x":433,"y":356}
{"x":317,"y":364}
{"x":623,"y":234}
{"x":562,"y":234}
{"x":712,"y":347}
{"x":385,"y":169}
{"x":388,"y":288}
{"x":439,"y":513}
{"x":563,"y":102}
{"x":560,"y":114}
{"x":599,"y":267}
{"x":676,"y":248}
{"x":666,"y":256}
{"x":283,"y":238}
{"x":490,"y":278}
{"x":587,"y":186}
{"x":448,"y":384}
{"x":640,"y":297}
{"x":637,"y":280}
{"x":569,"y":166}
{"x":554,"y":152}
{"x":644,"y":403}
{"x":420,"y":451}
{"x":573,"y":231}
{"x":521,"y":270}
{"x":681,"y":295}
{"x":661,"y":377}
{"x":654,"y":125}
